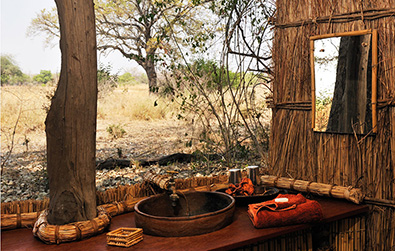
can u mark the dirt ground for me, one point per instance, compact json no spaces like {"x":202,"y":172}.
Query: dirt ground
{"x":24,"y":174}
{"x":129,"y":108}
{"x":142,"y":140}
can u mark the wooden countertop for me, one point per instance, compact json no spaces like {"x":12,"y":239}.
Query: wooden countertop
{"x":240,"y":233}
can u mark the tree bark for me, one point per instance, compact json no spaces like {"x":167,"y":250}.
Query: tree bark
{"x":149,"y":67}
{"x":71,"y":120}
{"x":350,"y":111}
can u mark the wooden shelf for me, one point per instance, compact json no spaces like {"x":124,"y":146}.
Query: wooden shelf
{"x":240,"y":233}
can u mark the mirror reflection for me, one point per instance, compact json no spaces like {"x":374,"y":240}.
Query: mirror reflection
{"x":343,"y":84}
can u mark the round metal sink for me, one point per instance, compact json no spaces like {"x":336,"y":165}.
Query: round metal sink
{"x":193,"y":213}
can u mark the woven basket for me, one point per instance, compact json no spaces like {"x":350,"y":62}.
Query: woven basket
{"x":125,"y":237}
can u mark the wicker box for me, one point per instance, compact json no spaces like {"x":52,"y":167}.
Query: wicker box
{"x":125,"y":237}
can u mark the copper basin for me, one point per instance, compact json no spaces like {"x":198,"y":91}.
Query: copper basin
{"x":194,"y":213}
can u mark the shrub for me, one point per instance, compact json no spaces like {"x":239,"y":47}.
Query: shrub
{"x":126,"y":78}
{"x":44,"y":77}
{"x":10,"y":72}
{"x":116,"y":131}
{"x":106,"y":82}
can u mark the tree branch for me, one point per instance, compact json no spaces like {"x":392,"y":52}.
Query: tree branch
{"x":248,"y":55}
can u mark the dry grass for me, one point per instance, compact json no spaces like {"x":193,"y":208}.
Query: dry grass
{"x":133,"y":103}
{"x":322,"y":116}
{"x":22,"y":109}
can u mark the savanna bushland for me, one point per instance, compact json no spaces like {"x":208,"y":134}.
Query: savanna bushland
{"x":203,"y":89}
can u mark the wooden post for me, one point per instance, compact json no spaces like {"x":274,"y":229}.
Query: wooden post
{"x":71,"y":120}
{"x":312,"y":83}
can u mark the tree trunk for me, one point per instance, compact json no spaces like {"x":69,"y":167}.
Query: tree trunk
{"x":71,"y":120}
{"x":149,"y":67}
{"x":350,"y":111}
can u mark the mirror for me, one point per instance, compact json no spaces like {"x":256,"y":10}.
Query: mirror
{"x":344,"y":70}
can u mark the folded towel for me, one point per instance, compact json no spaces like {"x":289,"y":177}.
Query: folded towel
{"x":296,"y":210}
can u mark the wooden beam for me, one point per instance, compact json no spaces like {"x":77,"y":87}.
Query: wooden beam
{"x":341,"y":34}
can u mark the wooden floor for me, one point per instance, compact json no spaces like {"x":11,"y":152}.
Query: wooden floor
{"x":240,"y":233}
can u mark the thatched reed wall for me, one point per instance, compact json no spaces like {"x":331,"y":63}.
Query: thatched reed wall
{"x":297,"y":151}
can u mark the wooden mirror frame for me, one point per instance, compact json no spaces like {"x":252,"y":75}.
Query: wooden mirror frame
{"x":374,"y":70}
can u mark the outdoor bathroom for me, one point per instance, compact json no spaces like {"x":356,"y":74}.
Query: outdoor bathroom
{"x":306,"y":161}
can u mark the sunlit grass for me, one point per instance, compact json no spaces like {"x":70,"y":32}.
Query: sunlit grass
{"x":22,"y":109}
{"x":322,"y":116}
{"x":133,"y":103}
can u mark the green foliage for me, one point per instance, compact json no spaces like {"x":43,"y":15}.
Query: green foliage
{"x":46,"y":23}
{"x":10,"y":72}
{"x":134,"y":78}
{"x":116,"y":131}
{"x":145,"y":31}
{"x":126,"y":78}
{"x":104,"y":74}
{"x":44,"y":77}
{"x":215,"y":76}
{"x":324,"y":98}
{"x":208,"y":68}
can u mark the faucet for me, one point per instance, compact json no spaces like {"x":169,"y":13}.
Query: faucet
{"x":172,"y":187}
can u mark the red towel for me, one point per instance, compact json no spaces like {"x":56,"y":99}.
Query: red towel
{"x":297,"y":210}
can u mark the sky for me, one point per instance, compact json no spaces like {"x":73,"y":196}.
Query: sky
{"x":325,"y":74}
{"x":30,"y":53}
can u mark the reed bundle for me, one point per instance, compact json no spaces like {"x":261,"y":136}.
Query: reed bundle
{"x":117,"y":208}
{"x":370,"y":14}
{"x":18,"y":220}
{"x":297,"y":105}
{"x":200,"y":181}
{"x":23,"y":214}
{"x":123,"y":193}
{"x":160,"y":180}
{"x":55,"y":234}
{"x":349,"y":193}
{"x":24,"y":206}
